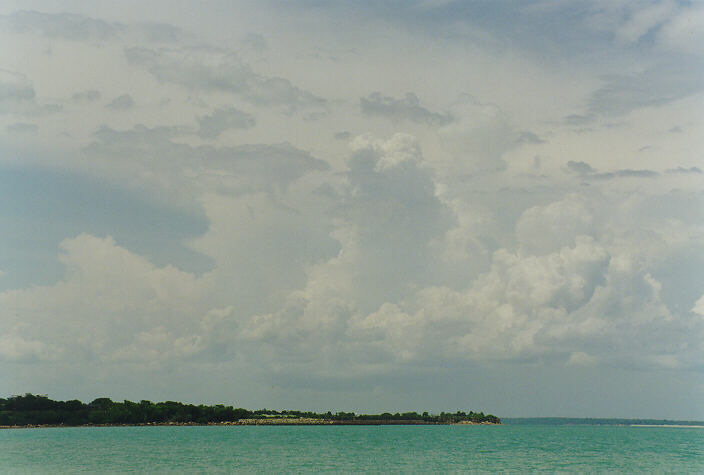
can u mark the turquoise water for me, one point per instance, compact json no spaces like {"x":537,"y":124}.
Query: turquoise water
{"x":353,"y":448}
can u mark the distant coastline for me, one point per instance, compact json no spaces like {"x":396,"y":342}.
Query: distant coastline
{"x":38,"y":411}
{"x":599,"y":421}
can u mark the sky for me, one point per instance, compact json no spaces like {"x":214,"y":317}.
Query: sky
{"x":361,"y":206}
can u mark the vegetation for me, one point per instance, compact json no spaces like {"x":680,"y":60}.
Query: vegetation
{"x":30,"y":409}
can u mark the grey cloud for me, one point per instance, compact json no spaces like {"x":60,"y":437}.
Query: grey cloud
{"x":529,"y":137}
{"x":122,"y":102}
{"x":86,"y":96}
{"x":47,"y":109}
{"x":586,"y":171}
{"x":579,"y":120}
{"x":240,"y":169}
{"x":222,"y":119}
{"x":22,"y":128}
{"x":162,"y":32}
{"x":15,"y":89}
{"x":393,"y":206}
{"x":685,"y":171}
{"x":17,"y":96}
{"x":580,"y":168}
{"x":398,"y":110}
{"x":344,"y":135}
{"x":656,"y":86}
{"x":75,"y":27}
{"x":62,"y":25}
{"x":207,"y":69}
{"x":627,"y":173}
{"x":255,"y":42}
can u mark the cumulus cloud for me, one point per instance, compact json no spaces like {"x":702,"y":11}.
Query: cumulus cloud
{"x":479,"y":136}
{"x":401,"y":110}
{"x":577,"y":291}
{"x":129,"y":298}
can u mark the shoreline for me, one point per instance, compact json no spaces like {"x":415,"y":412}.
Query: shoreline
{"x":255,"y":422}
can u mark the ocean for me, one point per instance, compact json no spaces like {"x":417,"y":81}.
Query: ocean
{"x":439,"y":448}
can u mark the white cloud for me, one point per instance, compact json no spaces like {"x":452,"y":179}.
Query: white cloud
{"x":110,"y":305}
{"x":644,"y":20}
{"x":685,"y":30}
{"x":699,"y":306}
{"x":391,"y":153}
{"x":479,"y":136}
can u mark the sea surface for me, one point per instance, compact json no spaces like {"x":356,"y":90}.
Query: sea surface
{"x":454,"y":448}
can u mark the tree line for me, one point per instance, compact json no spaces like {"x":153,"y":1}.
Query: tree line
{"x":32,"y":409}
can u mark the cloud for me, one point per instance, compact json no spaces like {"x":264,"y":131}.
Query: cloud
{"x":17,"y":97}
{"x":529,"y":138}
{"x":207,"y":69}
{"x":685,"y":171}
{"x":667,"y":82}
{"x":644,"y":20}
{"x":400,"y":110}
{"x":22,"y":128}
{"x":578,"y":290}
{"x":131,"y":302}
{"x":62,"y":25}
{"x":222,"y":119}
{"x":479,"y":136}
{"x":579,"y":120}
{"x":16,"y":91}
{"x":122,"y":102}
{"x":87,"y":96}
{"x":586,"y":171}
{"x":580,"y":168}
{"x":162,"y":33}
{"x":152,"y":157}
{"x":625,"y":174}
{"x":15,"y":348}
{"x":685,"y":31}
{"x":542,"y":229}
{"x":255,"y":42}
{"x":699,"y":306}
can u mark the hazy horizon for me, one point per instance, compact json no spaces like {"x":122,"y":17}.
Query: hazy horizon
{"x":364,"y":206}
